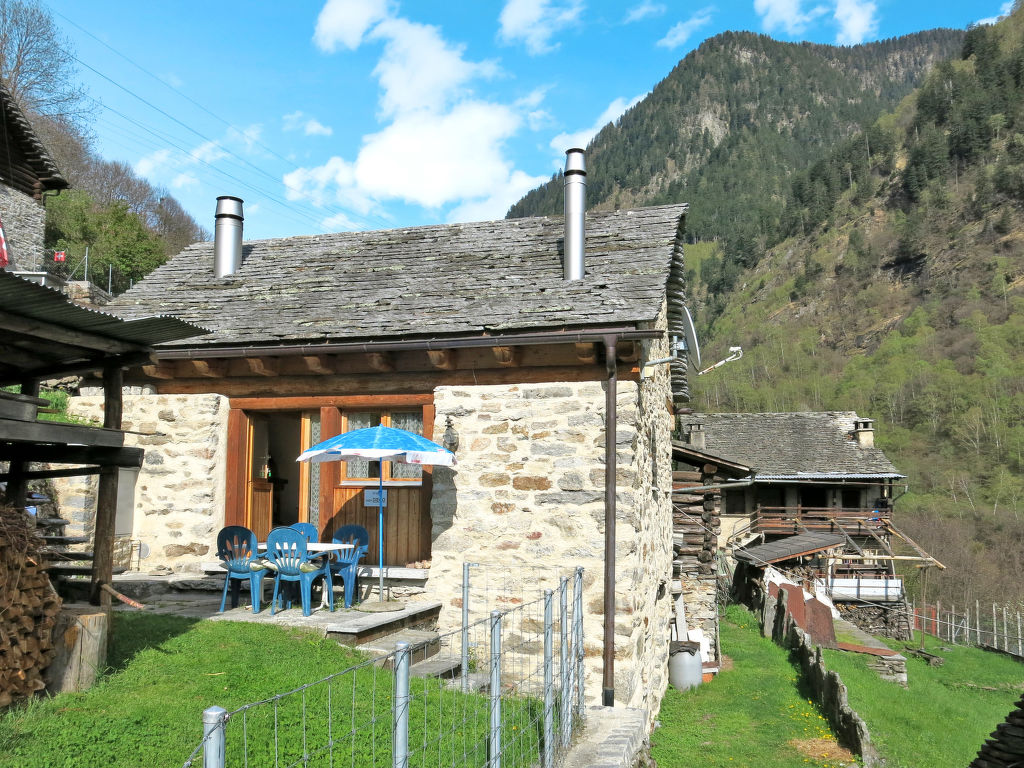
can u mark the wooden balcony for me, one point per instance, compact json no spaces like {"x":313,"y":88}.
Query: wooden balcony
{"x":784,"y":521}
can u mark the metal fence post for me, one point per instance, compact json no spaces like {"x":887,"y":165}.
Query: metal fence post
{"x":494,"y":738}
{"x":549,"y":703}
{"x":400,"y":752}
{"x":577,"y":620}
{"x":564,"y":671}
{"x":465,"y":627}
{"x":213,"y":736}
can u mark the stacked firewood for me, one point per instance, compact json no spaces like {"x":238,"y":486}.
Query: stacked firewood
{"x":1005,"y":749}
{"x":695,"y":523}
{"x":28,"y":608}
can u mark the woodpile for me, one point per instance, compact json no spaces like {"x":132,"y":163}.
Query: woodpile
{"x":1006,"y":747}
{"x":28,"y":608}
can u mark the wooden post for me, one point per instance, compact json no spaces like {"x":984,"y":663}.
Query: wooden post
{"x":953,"y":624}
{"x":938,"y":619}
{"x":995,"y":628}
{"x":977,"y":622}
{"x":1006,"y":633}
{"x":1020,"y":641}
{"x":106,"y":502}
{"x":17,"y":485}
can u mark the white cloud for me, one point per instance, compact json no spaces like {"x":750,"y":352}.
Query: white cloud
{"x":340,"y":222}
{"x":152,"y":162}
{"x":184,"y":181}
{"x":581,"y":138}
{"x":208,"y":152}
{"x":786,"y":15}
{"x":535,"y":22}
{"x":313,"y":183}
{"x":420,"y":70}
{"x":682,"y":31}
{"x":315,"y":128}
{"x":645,"y":10}
{"x":496,"y":205}
{"x":857,"y":21}
{"x":347,"y":22}
{"x":310,"y":127}
{"x":1004,"y":10}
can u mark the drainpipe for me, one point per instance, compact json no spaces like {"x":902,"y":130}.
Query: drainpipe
{"x":611,"y":395}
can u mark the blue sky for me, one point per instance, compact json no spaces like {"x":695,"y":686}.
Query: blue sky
{"x":367,"y":114}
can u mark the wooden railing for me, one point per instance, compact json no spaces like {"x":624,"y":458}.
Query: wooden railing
{"x":855,"y":521}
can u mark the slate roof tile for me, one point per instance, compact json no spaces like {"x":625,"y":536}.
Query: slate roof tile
{"x":791,"y":443}
{"x":446,"y":279}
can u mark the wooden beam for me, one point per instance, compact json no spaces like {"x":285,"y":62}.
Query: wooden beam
{"x":318,"y":364}
{"x":442,"y":358}
{"x":55,"y":432}
{"x":106,"y":496}
{"x":256,"y":388}
{"x":207,"y":369}
{"x":351,"y":402}
{"x":51,"y":332}
{"x":506,"y":357}
{"x":261,"y":366}
{"x":627,"y":351}
{"x":42,"y":474}
{"x":587,"y":353}
{"x":380,"y":361}
{"x":158,"y":371}
{"x":72,"y":454}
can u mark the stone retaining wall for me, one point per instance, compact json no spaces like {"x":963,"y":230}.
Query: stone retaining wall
{"x":528,"y":493}
{"x":827,"y":688}
{"x":179,"y":495}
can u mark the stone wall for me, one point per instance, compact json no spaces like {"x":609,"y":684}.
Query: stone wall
{"x":179,"y":496}
{"x":527,"y":495}
{"x":23,"y":219}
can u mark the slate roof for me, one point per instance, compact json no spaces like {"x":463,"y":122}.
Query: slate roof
{"x":794,"y":446}
{"x":493,"y":277}
{"x":21,"y":146}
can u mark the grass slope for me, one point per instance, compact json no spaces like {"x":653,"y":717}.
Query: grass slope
{"x":945,"y":715}
{"x":750,"y":715}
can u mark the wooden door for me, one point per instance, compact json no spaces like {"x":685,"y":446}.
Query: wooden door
{"x":406,"y":522}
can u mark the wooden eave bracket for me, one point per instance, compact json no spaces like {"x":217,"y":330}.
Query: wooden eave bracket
{"x":261,"y":366}
{"x":443,"y":359}
{"x":506,"y":357}
{"x":158,"y":371}
{"x":206,"y":369}
{"x":318,"y":364}
{"x":627,"y":351}
{"x":380,"y":361}
{"x":587,"y":353}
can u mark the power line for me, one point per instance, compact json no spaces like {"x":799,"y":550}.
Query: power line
{"x":328,"y":209}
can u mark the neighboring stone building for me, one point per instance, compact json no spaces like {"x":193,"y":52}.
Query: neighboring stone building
{"x":468,"y":326}
{"x":27,"y":174}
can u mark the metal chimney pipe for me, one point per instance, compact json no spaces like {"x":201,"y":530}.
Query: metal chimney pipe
{"x":575,"y":214}
{"x":227,"y":236}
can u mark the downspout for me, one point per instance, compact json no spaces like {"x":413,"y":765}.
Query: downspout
{"x":610,"y":427}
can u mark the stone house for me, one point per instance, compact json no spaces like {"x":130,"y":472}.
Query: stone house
{"x":819,"y":498}
{"x":27,"y":176}
{"x":463,"y":332}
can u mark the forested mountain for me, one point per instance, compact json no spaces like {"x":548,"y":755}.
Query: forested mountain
{"x":882,"y":271}
{"x":735,"y":118}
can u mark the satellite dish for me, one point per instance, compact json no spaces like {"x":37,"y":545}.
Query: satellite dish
{"x":690,"y":337}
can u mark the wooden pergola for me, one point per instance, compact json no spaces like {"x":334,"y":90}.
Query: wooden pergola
{"x":46,"y":336}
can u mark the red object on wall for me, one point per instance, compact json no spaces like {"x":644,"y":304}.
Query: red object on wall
{"x":59,"y":255}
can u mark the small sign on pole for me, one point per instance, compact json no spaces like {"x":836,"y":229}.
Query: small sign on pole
{"x":375,"y":497}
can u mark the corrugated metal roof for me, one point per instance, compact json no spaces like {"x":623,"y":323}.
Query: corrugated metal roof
{"x":789,"y":547}
{"x":25,"y":299}
{"x":829,"y":476}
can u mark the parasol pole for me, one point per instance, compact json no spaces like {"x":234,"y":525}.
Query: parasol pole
{"x":380,"y":524}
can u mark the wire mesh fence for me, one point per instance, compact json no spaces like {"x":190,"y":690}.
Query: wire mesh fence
{"x":999,"y":628}
{"x":504,"y":690}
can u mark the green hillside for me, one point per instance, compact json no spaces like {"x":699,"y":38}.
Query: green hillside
{"x":894,"y":285}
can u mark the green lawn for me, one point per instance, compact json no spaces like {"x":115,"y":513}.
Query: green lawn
{"x":944,"y":716}
{"x":750,"y":715}
{"x":166,"y":670}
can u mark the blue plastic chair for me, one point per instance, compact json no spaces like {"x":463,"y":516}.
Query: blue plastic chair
{"x":236,"y":547}
{"x":346,"y":563}
{"x":288,"y":558}
{"x":308,"y":530}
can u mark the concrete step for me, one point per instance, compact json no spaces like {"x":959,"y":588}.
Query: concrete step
{"x":422,"y":645}
{"x":358,"y":628}
{"x":441,"y":667}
